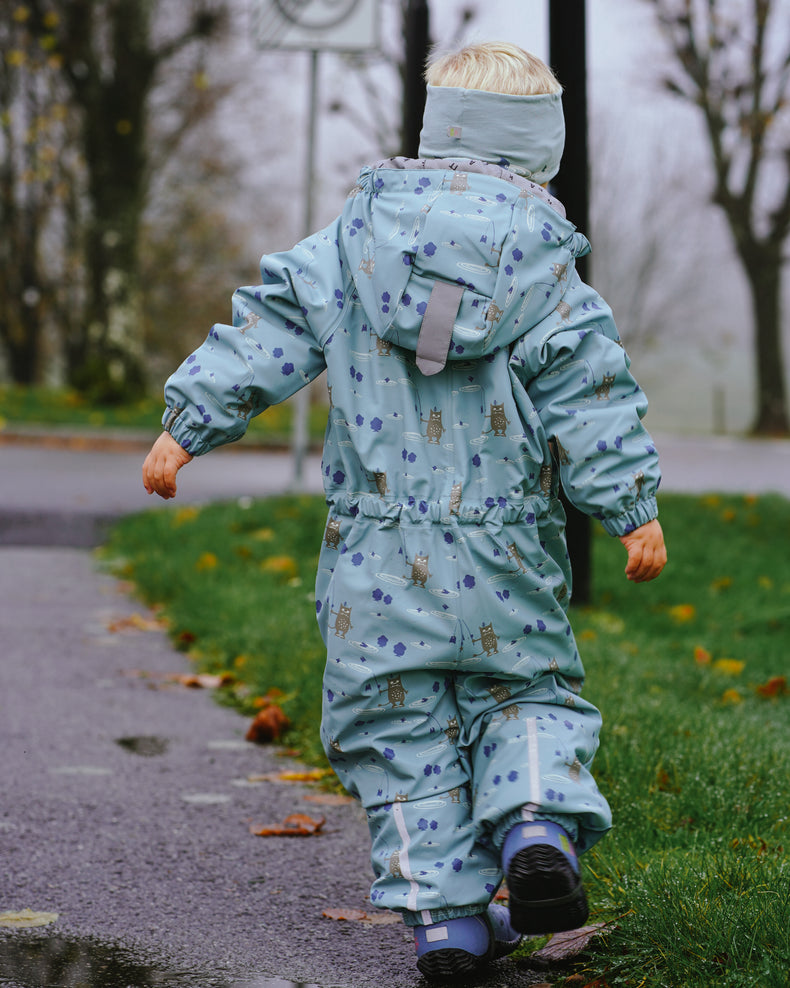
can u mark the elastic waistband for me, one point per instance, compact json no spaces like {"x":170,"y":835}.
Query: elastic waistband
{"x":447,"y":510}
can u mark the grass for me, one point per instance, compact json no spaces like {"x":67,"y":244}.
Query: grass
{"x":689,"y":671}
{"x":65,"y":407}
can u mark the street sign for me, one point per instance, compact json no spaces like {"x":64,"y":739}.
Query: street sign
{"x":317,"y":25}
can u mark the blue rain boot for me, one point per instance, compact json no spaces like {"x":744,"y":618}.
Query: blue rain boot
{"x":542,"y":875}
{"x":456,"y":948}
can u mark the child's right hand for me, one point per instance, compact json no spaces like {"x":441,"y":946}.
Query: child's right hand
{"x":647,"y":554}
{"x":162,"y":464}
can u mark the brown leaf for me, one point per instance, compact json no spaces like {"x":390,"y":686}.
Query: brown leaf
{"x":268,"y":724}
{"x":567,"y":945}
{"x":202,"y":680}
{"x":776,"y":686}
{"x":137,"y":622}
{"x":295,"y":825}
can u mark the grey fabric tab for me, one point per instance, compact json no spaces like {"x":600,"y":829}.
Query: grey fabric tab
{"x":437,"y":327}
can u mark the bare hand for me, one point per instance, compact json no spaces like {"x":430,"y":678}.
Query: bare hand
{"x":647,"y":554}
{"x":162,"y":464}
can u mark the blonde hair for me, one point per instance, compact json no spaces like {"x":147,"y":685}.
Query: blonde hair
{"x":493,"y":66}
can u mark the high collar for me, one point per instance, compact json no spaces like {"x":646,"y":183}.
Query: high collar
{"x":523,"y":133}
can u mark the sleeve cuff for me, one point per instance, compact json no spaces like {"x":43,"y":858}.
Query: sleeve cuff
{"x":640,"y":514}
{"x":180,"y":429}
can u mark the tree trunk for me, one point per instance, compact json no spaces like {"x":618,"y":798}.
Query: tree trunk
{"x":763,"y":270}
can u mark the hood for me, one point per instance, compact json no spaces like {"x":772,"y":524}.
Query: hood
{"x":454,"y":260}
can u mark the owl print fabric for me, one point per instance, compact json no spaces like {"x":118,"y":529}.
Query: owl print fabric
{"x":452,"y":695}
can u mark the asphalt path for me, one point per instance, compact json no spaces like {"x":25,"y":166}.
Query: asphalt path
{"x":127,"y":798}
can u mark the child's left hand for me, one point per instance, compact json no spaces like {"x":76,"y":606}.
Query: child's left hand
{"x":647,"y":554}
{"x":162,"y":464}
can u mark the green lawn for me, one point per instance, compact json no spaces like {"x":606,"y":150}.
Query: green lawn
{"x":690,"y":673}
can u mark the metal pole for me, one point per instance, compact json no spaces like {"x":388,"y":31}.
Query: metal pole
{"x":302,"y":397}
{"x":416,"y":34}
{"x":567,"y":54}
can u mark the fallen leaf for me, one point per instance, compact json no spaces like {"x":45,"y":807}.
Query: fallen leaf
{"x":567,"y":945}
{"x":282,"y":566}
{"x":206,"y":560}
{"x":268,"y":724}
{"x":683,"y":613}
{"x":185,"y":514}
{"x":294,"y":825}
{"x":702,"y":656}
{"x":202,"y":680}
{"x":327,"y":798}
{"x":192,"y":680}
{"x":730,"y":667}
{"x":137,"y":622}
{"x":306,"y":775}
{"x":272,"y":695}
{"x":26,"y":918}
{"x":383,"y":917}
{"x":776,"y":686}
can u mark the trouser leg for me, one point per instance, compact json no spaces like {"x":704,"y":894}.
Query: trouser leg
{"x":531,"y":760}
{"x":406,"y":769}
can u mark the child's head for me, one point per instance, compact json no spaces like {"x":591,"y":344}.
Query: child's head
{"x":494,"y":67}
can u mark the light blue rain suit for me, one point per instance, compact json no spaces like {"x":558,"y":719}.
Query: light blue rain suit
{"x":469,"y":370}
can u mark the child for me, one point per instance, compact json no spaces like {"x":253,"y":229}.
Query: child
{"x":470,"y":371}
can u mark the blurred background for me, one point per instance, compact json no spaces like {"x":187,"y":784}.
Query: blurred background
{"x":151,"y":152}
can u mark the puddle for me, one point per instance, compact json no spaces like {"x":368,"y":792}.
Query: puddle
{"x":147,"y":745}
{"x":59,"y":962}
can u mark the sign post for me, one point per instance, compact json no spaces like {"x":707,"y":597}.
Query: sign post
{"x":313,"y":26}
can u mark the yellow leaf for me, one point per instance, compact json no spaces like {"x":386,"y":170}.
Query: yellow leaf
{"x":263,"y":534}
{"x":21,"y":14}
{"x":683,"y":613}
{"x":137,"y":622}
{"x":730,"y":667}
{"x":284,"y":566}
{"x":207,"y":560}
{"x":26,"y":918}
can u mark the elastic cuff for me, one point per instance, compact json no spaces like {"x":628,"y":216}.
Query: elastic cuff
{"x":428,"y":916}
{"x":640,"y":514}
{"x":169,"y":418}
{"x":506,"y":824}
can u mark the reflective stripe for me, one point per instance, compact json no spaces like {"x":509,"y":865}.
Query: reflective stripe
{"x":403,"y":857}
{"x":528,"y":809}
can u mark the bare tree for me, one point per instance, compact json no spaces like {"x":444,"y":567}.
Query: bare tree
{"x":110,"y":55}
{"x":36,"y":184}
{"x":732,"y":60}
